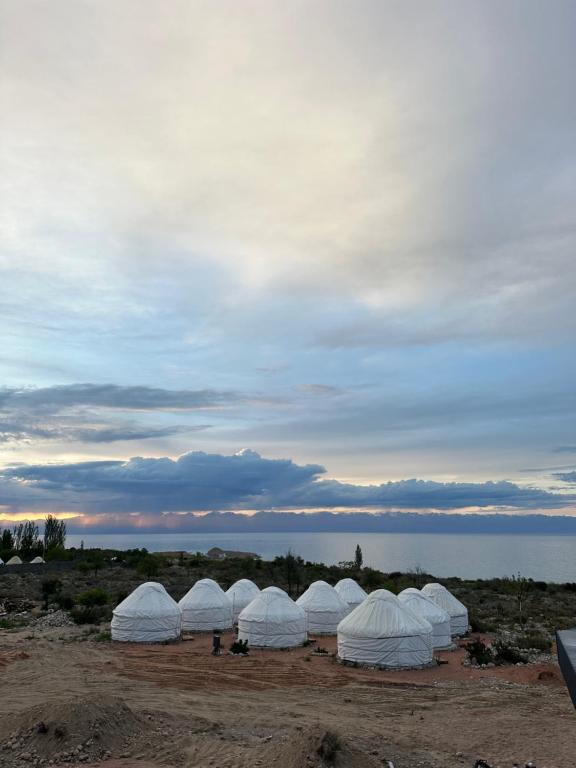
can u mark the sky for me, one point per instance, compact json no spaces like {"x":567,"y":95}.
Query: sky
{"x":270,"y":255}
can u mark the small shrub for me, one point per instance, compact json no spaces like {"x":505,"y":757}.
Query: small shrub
{"x":103,"y":637}
{"x":479,"y":653}
{"x":505,"y":653}
{"x":239,"y":647}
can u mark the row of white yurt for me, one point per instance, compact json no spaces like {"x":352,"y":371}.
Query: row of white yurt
{"x":15,"y":560}
{"x":149,"y":614}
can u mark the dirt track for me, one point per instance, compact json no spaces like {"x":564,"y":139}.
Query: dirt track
{"x":232,"y":711}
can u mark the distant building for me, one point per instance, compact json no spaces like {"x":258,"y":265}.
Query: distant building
{"x":222,"y":554}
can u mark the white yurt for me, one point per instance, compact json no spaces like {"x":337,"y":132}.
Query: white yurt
{"x":382,"y":632}
{"x":324,"y":608}
{"x":425,"y":608}
{"x":351,"y":592}
{"x":272,"y":620}
{"x":38,"y":560}
{"x":241,"y":594}
{"x":15,"y":560}
{"x":147,"y":615}
{"x":446,"y":600}
{"x":205,"y":607}
{"x":1,"y":561}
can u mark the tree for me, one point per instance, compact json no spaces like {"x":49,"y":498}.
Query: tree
{"x":7,"y":539}
{"x":292,"y":565}
{"x":54,"y":533}
{"x":358,"y":558}
{"x":519,"y":586}
{"x":148,"y":566}
{"x":29,"y":541}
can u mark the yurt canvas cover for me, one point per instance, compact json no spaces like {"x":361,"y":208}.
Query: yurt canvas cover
{"x":15,"y":560}
{"x":276,"y":591}
{"x":272,"y":620}
{"x":147,"y":615}
{"x":351,"y":592}
{"x":324,"y":608}
{"x":446,"y":600}
{"x":205,"y":607}
{"x":425,"y":608}
{"x":241,"y":594}
{"x":382,"y":632}
{"x":38,"y":560}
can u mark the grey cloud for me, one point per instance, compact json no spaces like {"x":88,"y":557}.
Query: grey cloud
{"x":128,"y":398}
{"x":199,"y":481}
{"x":565,"y":449}
{"x":566,"y":477}
{"x":88,"y":413}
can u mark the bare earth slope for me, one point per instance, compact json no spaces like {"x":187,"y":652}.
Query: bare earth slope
{"x":176,"y":705}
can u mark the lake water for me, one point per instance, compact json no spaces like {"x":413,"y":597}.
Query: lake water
{"x":544,"y":558}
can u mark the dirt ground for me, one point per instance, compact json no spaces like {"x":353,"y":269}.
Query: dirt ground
{"x":192,"y":709}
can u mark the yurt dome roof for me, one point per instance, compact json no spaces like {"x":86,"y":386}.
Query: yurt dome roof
{"x":445,"y":599}
{"x":350,"y":591}
{"x":423,"y":606}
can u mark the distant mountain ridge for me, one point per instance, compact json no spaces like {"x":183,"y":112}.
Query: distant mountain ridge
{"x":353,"y":522}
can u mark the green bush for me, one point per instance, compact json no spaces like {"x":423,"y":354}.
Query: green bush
{"x":94,"y":597}
{"x":239,"y":647}
{"x":479,"y":653}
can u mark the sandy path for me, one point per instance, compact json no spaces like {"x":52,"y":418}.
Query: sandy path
{"x":434,"y":713}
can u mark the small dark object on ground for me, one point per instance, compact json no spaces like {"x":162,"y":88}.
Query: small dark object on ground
{"x":239,"y":647}
{"x":329,"y":747}
{"x":482,"y":764}
{"x":42,"y":727}
{"x":59,"y":733}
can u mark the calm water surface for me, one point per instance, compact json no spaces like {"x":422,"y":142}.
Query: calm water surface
{"x":545,"y":558}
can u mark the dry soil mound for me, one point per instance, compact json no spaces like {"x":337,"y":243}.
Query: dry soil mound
{"x":81,"y":730}
{"x":317,"y":747}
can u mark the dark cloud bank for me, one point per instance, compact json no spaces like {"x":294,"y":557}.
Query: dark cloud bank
{"x":162,"y":489}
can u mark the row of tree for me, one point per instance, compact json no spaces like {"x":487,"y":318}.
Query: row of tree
{"x":24,"y":539}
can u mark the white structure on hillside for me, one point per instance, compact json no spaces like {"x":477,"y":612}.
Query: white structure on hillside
{"x":446,"y":600}
{"x":272,"y":620}
{"x":381,"y":632}
{"x":205,"y":607}
{"x":241,"y":594}
{"x":38,"y":559}
{"x":418,"y":603}
{"x":324,"y":608}
{"x":15,"y":560}
{"x":351,"y":592}
{"x":147,"y":615}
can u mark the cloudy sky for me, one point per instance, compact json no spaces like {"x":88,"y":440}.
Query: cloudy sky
{"x":306,"y":254}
